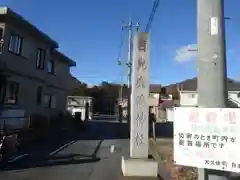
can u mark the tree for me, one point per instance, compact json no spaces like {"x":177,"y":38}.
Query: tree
{"x":104,"y":95}
{"x":80,"y":90}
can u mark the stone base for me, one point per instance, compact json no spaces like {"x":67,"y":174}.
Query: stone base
{"x":139,"y":167}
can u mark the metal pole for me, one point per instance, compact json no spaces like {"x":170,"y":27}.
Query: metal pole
{"x":129,"y":51}
{"x":121,"y":93}
{"x":211,"y":64}
{"x":129,"y":64}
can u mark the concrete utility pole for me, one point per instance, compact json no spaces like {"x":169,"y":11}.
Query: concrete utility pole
{"x":211,"y":64}
{"x":130,"y":27}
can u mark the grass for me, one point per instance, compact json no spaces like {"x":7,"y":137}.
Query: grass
{"x":164,"y":151}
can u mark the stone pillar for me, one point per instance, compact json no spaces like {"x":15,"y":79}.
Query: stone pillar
{"x":138,"y":164}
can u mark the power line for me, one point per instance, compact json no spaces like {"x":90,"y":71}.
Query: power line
{"x":151,"y":17}
{"x":119,"y":61}
{"x":120,"y":46}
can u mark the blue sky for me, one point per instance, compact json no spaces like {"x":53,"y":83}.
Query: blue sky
{"x":88,"y":31}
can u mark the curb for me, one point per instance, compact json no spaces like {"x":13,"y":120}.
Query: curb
{"x":162,"y":170}
{"x":159,"y":156}
{"x":61,"y":148}
{"x":17,"y":158}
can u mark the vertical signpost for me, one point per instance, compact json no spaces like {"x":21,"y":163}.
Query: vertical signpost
{"x":138,"y":164}
{"x":211,"y":62}
{"x":139,"y":99}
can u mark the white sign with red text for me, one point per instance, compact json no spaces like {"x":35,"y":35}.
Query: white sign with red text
{"x":207,"y":138}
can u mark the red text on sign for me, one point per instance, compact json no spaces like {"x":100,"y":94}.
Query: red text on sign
{"x":194,"y":116}
{"x":211,"y":117}
{"x":230,"y":117}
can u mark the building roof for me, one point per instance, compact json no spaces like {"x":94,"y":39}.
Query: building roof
{"x":77,"y":100}
{"x":169,"y":103}
{"x":8,"y":15}
{"x":191,"y":85}
{"x":79,"y":97}
{"x":155,"y":88}
{"x":60,"y":56}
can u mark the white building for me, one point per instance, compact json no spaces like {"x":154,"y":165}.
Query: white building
{"x":153,"y":100}
{"x":189,"y":95}
{"x":79,"y":104}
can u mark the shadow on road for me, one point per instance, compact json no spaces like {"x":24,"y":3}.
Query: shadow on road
{"x":40,"y":154}
{"x":62,"y":160}
{"x":98,"y":130}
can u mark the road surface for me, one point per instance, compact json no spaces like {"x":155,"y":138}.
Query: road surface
{"x":95,"y":155}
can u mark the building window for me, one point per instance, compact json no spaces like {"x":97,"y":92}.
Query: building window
{"x":151,"y":95}
{"x":11,"y":93}
{"x":163,"y":91}
{"x":39,"y":95}
{"x":192,"y":95}
{"x":49,"y":101}
{"x":15,"y":44}
{"x":41,"y":55}
{"x":51,"y":67}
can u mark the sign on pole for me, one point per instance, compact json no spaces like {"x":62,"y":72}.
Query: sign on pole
{"x":139,"y":97}
{"x":207,"y":138}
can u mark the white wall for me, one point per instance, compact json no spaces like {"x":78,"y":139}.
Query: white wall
{"x":170,"y":114}
{"x":190,"y":98}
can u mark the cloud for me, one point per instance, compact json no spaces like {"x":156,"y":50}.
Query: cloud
{"x":186,"y":53}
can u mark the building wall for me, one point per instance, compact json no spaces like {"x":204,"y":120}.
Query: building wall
{"x":24,"y":71}
{"x":188,"y":98}
{"x":26,"y":64}
{"x":153,"y":99}
{"x":27,"y":97}
{"x":170,"y":114}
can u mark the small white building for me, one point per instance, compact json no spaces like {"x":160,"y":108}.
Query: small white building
{"x":79,"y":104}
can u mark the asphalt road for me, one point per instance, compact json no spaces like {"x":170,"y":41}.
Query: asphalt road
{"x":92,"y":154}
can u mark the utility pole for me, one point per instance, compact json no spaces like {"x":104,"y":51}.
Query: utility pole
{"x":211,"y":65}
{"x":130,"y":27}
